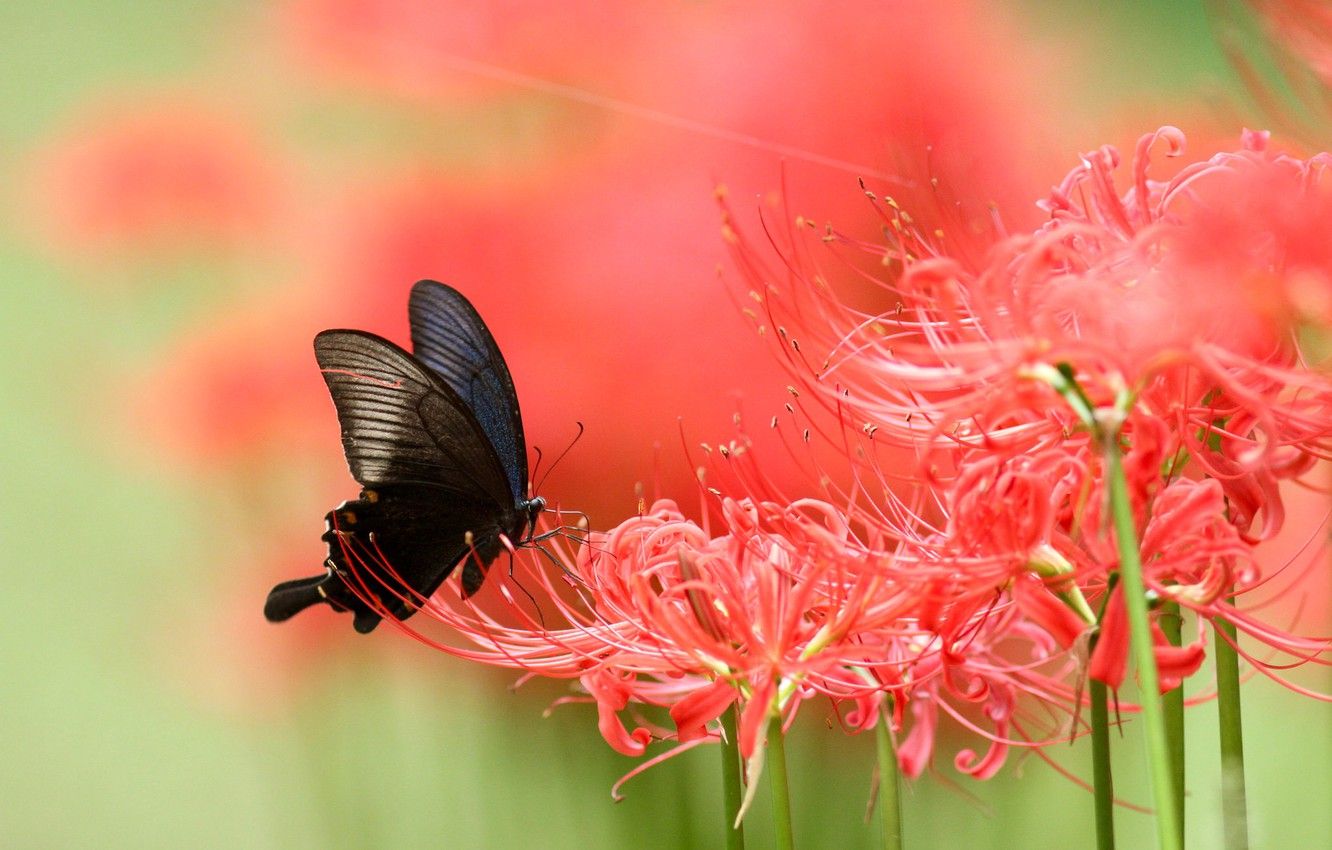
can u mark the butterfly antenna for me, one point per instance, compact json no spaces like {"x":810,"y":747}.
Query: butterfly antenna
{"x":536,"y":466}
{"x":556,"y":463}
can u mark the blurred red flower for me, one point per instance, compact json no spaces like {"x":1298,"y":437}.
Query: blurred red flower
{"x":594,"y":269}
{"x":414,"y":46}
{"x":238,"y":393}
{"x":161,"y":177}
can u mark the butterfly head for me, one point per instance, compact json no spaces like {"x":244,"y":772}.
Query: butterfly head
{"x":534,"y":508}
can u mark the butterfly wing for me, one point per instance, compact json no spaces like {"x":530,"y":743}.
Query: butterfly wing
{"x":449,"y":337}
{"x":397,"y":544}
{"x":402,"y":425}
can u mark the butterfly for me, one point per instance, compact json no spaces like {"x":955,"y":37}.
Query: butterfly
{"x":435,"y":440}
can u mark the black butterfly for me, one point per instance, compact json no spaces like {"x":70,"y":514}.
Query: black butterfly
{"x":436,"y":442}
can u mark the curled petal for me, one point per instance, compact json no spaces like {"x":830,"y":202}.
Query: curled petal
{"x":1000,"y":711}
{"x":1174,"y":664}
{"x":866,"y":711}
{"x":612,"y":696}
{"x":914,"y":753}
{"x":692,"y":713}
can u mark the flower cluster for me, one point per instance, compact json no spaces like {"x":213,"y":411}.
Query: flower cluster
{"x":1162,"y":318}
{"x":783,"y":604}
{"x":1143,"y":337}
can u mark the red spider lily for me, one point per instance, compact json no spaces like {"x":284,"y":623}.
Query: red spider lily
{"x":1172,"y":302}
{"x":1112,"y":285}
{"x":785,"y":604}
{"x":994,"y":612}
{"x":1002,"y":679}
{"x":778,"y":604}
{"x":1035,"y":523}
{"x":1194,"y":554}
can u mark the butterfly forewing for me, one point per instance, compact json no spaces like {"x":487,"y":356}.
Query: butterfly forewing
{"x":449,"y":337}
{"x":402,"y":425}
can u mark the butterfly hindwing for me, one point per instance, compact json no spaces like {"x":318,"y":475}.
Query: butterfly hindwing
{"x":398,"y":544}
{"x":449,"y":336}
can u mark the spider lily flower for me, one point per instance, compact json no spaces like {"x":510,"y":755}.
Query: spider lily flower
{"x":1176,"y":299}
{"x":1001,"y":679}
{"x":1162,"y":313}
{"x":1179,"y":293}
{"x":784,"y":603}
{"x":780,"y":604}
{"x":1194,"y":554}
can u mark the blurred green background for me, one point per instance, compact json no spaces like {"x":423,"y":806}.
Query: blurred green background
{"x":147,"y":704}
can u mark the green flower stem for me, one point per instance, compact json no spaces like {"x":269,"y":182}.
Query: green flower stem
{"x":732,"y":794}
{"x":1103,"y":785}
{"x":1172,"y":624}
{"x":1140,"y":646}
{"x":778,"y":785}
{"x":890,"y":800}
{"x":1233,"y":797}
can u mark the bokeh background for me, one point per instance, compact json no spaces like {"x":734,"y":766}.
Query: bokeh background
{"x":192,"y":190}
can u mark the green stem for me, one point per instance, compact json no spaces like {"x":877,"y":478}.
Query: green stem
{"x":1172,"y":624}
{"x":732,"y":794}
{"x":1233,"y":797}
{"x":1103,"y":785}
{"x":1140,"y":645}
{"x":890,"y":800}
{"x":778,"y":785}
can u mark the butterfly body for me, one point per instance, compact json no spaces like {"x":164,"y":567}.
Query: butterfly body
{"x":435,"y":440}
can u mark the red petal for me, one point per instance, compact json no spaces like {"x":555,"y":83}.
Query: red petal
{"x":1046,"y":610}
{"x":694,"y":712}
{"x":753,"y":719}
{"x":1109,"y":660}
{"x":612,"y":695}
{"x":1174,"y":664}
{"x":914,"y":753}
